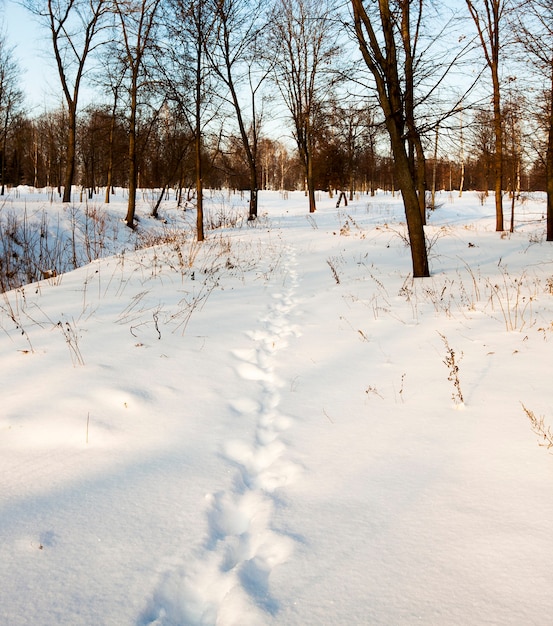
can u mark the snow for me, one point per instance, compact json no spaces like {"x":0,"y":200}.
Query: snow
{"x":264,"y":429}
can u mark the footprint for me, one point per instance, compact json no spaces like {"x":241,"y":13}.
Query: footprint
{"x":249,"y":371}
{"x":249,"y":354}
{"x":228,"y":580}
{"x":255,"y":572}
{"x":245,"y":405}
{"x":252,"y":461}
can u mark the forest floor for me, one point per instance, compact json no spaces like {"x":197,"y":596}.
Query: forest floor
{"x":279,"y":425}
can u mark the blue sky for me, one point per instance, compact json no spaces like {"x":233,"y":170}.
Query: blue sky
{"x":39,"y":78}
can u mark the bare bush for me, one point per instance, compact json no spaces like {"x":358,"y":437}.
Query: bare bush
{"x":31,"y":249}
{"x":35,"y":246}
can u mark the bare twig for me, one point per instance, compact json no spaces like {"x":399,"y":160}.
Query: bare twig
{"x":451,"y":362}
{"x":538,"y":426}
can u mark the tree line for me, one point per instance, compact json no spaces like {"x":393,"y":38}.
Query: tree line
{"x":347,"y":96}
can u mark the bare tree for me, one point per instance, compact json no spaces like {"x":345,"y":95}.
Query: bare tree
{"x":137,"y":20}
{"x":303,"y":40}
{"x":49,"y":145}
{"x":488,"y":17}
{"x":513,"y":139}
{"x":116,"y":89}
{"x":535,"y":34}
{"x":200,"y":31}
{"x":11,"y":99}
{"x":278,"y":168}
{"x":382,"y":59}
{"x":359,"y":132}
{"x":169,"y":146}
{"x":410,"y":15}
{"x":481,"y":139}
{"x":110,"y":79}
{"x":73,"y":26}
{"x":189,"y":81}
{"x":234,"y":52}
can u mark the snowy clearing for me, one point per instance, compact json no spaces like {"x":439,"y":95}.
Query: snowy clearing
{"x":279,"y":426}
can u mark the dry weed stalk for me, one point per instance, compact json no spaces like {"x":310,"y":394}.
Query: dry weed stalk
{"x":515,"y":297}
{"x":312,"y":221}
{"x":191,"y":302}
{"x":373,"y":390}
{"x":332,"y":264}
{"x":402,"y":388}
{"x":224,"y":216}
{"x":539,"y":427}
{"x":14,"y":314}
{"x":71,"y":335}
{"x":482,"y":197}
{"x":451,"y":361}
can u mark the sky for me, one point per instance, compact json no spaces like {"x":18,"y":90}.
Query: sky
{"x":33,"y":51}
{"x":39,"y":81}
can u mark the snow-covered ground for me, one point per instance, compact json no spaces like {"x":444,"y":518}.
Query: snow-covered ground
{"x":279,"y":426}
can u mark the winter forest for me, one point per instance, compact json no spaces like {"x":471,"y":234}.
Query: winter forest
{"x":276,"y":314}
{"x":251,"y":95}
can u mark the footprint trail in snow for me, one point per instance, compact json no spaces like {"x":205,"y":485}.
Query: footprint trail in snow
{"x":228,"y":581}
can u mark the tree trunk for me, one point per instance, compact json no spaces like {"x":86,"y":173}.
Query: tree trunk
{"x":407,"y":186}
{"x":462,"y":140}
{"x":199,"y":188}
{"x":384,"y":66}
{"x":252,"y":215}
{"x":155,"y":210}
{"x":250,"y":146}
{"x":310,"y":184}
{"x":498,"y":158}
{"x":550,"y":188}
{"x":252,"y":164}
{"x":198,"y":140}
{"x":70,"y":157}
{"x":3,"y":164}
{"x":549,"y":167}
{"x":416,"y":152}
{"x":549,"y":183}
{"x":109,"y":177}
{"x":434,"y":168}
{"x":133,"y":170}
{"x":513,"y":198}
{"x":420,"y":176}
{"x":488,"y":29}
